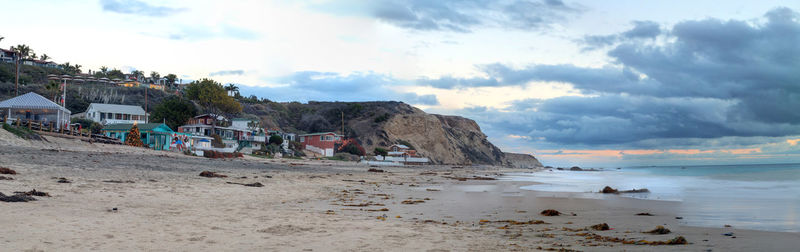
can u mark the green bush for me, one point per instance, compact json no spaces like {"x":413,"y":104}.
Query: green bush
{"x":382,"y":118}
{"x":381,"y":151}
{"x":275,"y":139}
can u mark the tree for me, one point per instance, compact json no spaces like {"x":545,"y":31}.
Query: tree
{"x":171,"y":78}
{"x":53,"y":87}
{"x":134,"y":138}
{"x":211,"y":96}
{"x":44,"y":57}
{"x":232,"y":89}
{"x":276,"y":140}
{"x":115,"y":74}
{"x":23,"y":50}
{"x":381,"y":151}
{"x":174,"y":111}
{"x":154,"y":76}
{"x":138,"y":74}
{"x":104,"y":70}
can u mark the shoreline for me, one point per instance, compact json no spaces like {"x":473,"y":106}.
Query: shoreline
{"x":166,"y":206}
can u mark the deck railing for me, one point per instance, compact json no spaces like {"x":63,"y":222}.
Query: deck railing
{"x":50,"y":127}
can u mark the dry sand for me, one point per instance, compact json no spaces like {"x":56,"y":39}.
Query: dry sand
{"x":163,"y":205}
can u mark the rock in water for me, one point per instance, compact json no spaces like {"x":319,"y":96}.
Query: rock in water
{"x":608,"y":189}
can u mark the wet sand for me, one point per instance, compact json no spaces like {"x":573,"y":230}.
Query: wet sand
{"x":163,"y":205}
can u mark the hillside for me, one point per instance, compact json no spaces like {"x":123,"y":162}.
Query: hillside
{"x":443,"y":139}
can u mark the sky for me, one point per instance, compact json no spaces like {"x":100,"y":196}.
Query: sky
{"x":588,"y":83}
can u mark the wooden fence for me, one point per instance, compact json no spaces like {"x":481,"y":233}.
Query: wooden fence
{"x":51,"y":129}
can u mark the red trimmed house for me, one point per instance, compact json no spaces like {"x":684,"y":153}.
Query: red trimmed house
{"x":323,"y":143}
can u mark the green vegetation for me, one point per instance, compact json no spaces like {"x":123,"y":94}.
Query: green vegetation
{"x":276,"y":140}
{"x":382,"y":118}
{"x":174,"y":110}
{"x":212,"y":96}
{"x":381,"y":151}
{"x":354,"y":149}
{"x":21,"y":132}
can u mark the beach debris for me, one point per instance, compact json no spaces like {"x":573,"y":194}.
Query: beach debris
{"x":364,"y":204}
{"x":728,"y":234}
{"x":659,"y":230}
{"x":472,"y":178}
{"x":378,"y":210}
{"x":374,"y":170}
{"x":256,"y":184}
{"x":608,"y":189}
{"x":412,"y":202}
{"x":428,"y":173}
{"x":8,"y":171}
{"x":382,"y":217}
{"x":113,"y":210}
{"x":432,"y":190}
{"x":550,"y":212}
{"x":6,"y":178}
{"x":63,"y":181}
{"x":330,"y":212}
{"x":678,"y":218}
{"x":34,"y":193}
{"x":601,"y":227}
{"x":726,"y":225}
{"x":118,"y":181}
{"x":680,"y":240}
{"x":644,"y":214}
{"x":513,"y":222}
{"x":16,"y":198}
{"x":209,"y":174}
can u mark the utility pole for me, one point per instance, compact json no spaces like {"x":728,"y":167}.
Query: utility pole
{"x":342,"y":123}
{"x":16,"y":76}
{"x":146,"y":116}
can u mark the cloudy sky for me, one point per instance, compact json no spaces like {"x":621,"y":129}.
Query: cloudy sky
{"x":590,"y":83}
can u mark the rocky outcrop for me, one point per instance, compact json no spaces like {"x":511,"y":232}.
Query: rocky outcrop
{"x":441,"y":138}
{"x":518,"y":160}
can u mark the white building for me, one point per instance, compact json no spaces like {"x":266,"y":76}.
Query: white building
{"x":115,"y":113}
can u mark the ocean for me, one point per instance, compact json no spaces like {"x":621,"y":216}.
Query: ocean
{"x":759,"y":197}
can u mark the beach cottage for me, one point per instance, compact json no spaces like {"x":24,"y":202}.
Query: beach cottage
{"x":157,"y":136}
{"x":322,"y":143}
{"x":106,"y":114}
{"x":34,"y":107}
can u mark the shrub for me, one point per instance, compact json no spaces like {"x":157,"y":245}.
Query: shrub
{"x":216,"y":142}
{"x":382,"y":118}
{"x":275,"y":139}
{"x":381,"y":151}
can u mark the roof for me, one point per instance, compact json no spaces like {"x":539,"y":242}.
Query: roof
{"x":33,"y":101}
{"x":117,"y":108}
{"x":401,"y":146}
{"x":142,"y":126}
{"x":320,"y":133}
{"x":243,"y":119}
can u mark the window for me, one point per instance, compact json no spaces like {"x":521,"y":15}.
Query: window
{"x":118,"y":116}
{"x":102,"y":116}
{"x":328,"y":138}
{"x":302,"y":139}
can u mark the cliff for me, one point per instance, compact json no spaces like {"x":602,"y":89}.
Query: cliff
{"x":443,"y":139}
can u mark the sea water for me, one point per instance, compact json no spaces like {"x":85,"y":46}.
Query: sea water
{"x":760,"y":197}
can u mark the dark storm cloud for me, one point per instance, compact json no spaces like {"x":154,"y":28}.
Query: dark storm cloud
{"x":714,"y":79}
{"x":135,"y":7}
{"x":463,"y":16}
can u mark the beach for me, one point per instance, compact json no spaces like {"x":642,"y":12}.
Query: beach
{"x":122,"y":198}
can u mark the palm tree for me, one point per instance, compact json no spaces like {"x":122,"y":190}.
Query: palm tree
{"x":53,"y":87}
{"x":44,"y":57}
{"x":1,"y":38}
{"x":104,"y":70}
{"x":154,"y":77}
{"x":23,"y":50}
{"x":232,"y":89}
{"x":138,"y":75}
{"x":171,"y":79}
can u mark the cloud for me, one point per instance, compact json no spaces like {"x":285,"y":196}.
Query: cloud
{"x":135,"y":7}
{"x":640,"y":30}
{"x":307,"y":86}
{"x":713,"y":79}
{"x":464,"y":16}
{"x":227,"y":72}
{"x":207,"y":32}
